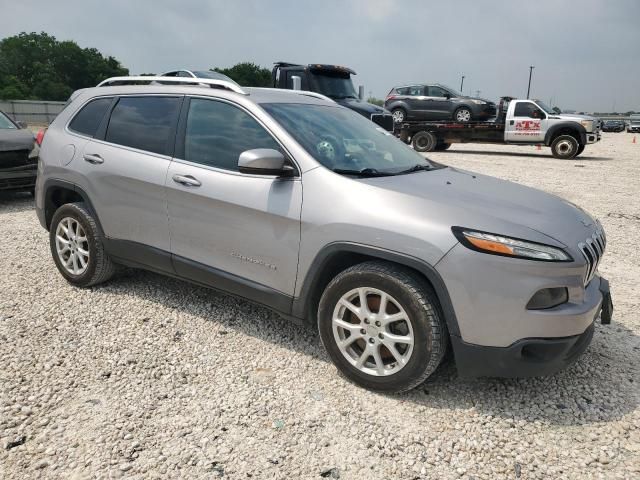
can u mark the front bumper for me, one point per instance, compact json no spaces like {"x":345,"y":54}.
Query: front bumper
{"x":633,"y":128}
{"x":530,"y":357}
{"x":19,"y":178}
{"x":593,"y":137}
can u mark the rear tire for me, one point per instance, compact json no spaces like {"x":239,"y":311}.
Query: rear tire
{"x":565,"y":147}
{"x":424,"y":142}
{"x":399,"y":115}
{"x":76,"y":246}
{"x":385,"y":355}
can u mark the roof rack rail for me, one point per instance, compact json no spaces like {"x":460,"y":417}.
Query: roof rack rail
{"x":234,"y":87}
{"x":299,"y":92}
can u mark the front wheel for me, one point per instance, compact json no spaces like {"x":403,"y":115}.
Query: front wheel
{"x":565,"y":147}
{"x":580,"y":150}
{"x":381,"y":326}
{"x":462,"y":115}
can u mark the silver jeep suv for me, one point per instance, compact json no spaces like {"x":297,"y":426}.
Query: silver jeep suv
{"x":289,"y":200}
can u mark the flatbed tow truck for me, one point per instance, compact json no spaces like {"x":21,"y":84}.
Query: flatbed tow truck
{"x":519,"y":122}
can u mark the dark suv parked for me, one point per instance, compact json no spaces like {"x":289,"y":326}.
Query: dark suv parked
{"x":436,"y":102}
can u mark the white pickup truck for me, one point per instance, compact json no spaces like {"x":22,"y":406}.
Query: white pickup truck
{"x":519,"y":122}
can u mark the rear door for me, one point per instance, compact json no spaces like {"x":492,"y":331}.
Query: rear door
{"x":125,"y":167}
{"x":418,"y":102}
{"x":226,"y":225}
{"x":528,"y":123}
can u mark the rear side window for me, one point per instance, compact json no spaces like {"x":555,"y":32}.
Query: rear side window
{"x":217,"y":133}
{"x":145,"y":123}
{"x":89,"y":118}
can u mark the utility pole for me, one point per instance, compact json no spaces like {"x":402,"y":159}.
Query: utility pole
{"x":461,"y":83}
{"x":477,"y":93}
{"x":529,"y":87}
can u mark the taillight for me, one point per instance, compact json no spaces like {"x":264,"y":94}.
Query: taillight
{"x":40,"y":136}
{"x":389,"y":97}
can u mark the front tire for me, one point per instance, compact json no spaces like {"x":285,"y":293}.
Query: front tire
{"x":565,"y":147}
{"x":381,"y":325}
{"x":76,"y":246}
{"x":463,"y":115}
{"x":424,"y":142}
{"x":580,"y":150}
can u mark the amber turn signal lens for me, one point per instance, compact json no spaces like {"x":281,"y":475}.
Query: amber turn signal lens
{"x":490,"y":246}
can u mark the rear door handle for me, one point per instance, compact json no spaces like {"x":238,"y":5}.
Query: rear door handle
{"x":186,"y":180}
{"x":93,"y":158}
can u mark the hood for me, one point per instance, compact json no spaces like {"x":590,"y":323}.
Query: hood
{"x":572,"y":116}
{"x":16,"y":139}
{"x":363,"y":108}
{"x":460,"y":198}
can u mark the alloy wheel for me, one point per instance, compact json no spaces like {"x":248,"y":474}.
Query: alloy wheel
{"x":72,"y":246}
{"x":372,"y":331}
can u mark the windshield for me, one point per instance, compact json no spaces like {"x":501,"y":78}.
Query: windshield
{"x":544,"y":107}
{"x":333,"y":85}
{"x":345,"y":141}
{"x":5,"y":123}
{"x":213,"y":75}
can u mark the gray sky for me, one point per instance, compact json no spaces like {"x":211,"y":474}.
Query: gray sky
{"x":585,"y":52}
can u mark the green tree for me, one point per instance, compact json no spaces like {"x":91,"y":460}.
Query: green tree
{"x":248,"y":74}
{"x":375,"y":101}
{"x":37,"y":66}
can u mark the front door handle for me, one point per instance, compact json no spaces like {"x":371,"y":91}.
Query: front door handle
{"x":186,"y":180}
{"x":93,"y":158}
{"x":511,"y":122}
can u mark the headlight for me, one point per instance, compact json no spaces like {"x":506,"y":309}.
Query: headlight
{"x":478,"y":102}
{"x":509,"y":247}
{"x":587,"y":124}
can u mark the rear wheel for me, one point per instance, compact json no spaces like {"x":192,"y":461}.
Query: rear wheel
{"x":77,"y":248}
{"x":381,"y":326}
{"x":424,"y":142}
{"x":565,"y":147}
{"x":462,"y":115}
{"x":399,"y":115}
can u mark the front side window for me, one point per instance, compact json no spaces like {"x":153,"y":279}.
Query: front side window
{"x":88,"y":120}
{"x":437,"y":92}
{"x":526,"y":109}
{"x":345,"y":141}
{"x":144,"y":123}
{"x":217,"y":133}
{"x":5,"y":123}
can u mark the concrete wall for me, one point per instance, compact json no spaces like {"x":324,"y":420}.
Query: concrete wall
{"x":32,"y":111}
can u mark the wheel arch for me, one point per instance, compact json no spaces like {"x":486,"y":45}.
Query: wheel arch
{"x":566,"y":128}
{"x":338,"y":256}
{"x":58,"y":192}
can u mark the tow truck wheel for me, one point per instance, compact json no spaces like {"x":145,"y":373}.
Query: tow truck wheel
{"x":565,"y":147}
{"x":580,"y":150}
{"x":398,"y":115}
{"x":462,"y":115}
{"x":424,"y":142}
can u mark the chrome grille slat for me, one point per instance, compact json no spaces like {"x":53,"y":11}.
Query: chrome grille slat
{"x":592,"y":250}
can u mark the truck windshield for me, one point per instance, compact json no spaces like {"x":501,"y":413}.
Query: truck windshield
{"x":333,"y":85}
{"x":5,"y":123}
{"x":345,"y":141}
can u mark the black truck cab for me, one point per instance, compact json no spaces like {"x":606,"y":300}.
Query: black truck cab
{"x":332,"y":81}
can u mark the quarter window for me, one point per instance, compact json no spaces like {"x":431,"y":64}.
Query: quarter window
{"x":88,"y":119}
{"x":217,"y":133}
{"x":144,"y":123}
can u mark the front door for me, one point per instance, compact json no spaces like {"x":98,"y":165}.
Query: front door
{"x":440,"y":106}
{"x":527,"y":125}
{"x":230,"y":229}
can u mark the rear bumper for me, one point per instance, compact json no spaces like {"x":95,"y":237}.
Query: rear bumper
{"x":530,"y":357}
{"x":19,"y":178}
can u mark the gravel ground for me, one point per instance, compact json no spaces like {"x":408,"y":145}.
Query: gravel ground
{"x":148,"y":377}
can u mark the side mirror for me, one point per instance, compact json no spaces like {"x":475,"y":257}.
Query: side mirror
{"x":21,"y":124}
{"x":264,"y":161}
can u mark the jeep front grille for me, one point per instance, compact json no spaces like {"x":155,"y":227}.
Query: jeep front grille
{"x":592,"y":250}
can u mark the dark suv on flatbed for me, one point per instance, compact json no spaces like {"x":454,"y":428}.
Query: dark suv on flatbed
{"x":436,"y":102}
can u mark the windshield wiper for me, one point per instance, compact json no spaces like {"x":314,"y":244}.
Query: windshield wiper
{"x":365,"y":172}
{"x":342,"y":97}
{"x":416,"y":168}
